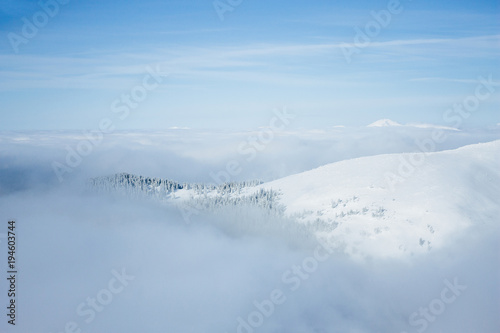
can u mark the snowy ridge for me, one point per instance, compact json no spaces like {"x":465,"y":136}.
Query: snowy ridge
{"x":420,"y":125}
{"x":391,"y":123}
{"x":450,"y":191}
{"x":357,"y":205}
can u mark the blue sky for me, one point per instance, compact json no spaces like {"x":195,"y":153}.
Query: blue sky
{"x":230,"y":73}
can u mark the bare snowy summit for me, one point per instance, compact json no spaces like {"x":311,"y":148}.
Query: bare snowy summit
{"x":387,"y":206}
{"x":384,"y":123}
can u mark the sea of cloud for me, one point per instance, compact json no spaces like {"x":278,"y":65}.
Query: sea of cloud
{"x":97,"y":263}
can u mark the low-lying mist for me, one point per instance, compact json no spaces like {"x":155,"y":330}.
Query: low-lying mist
{"x":103,"y":263}
{"x":203,"y":277}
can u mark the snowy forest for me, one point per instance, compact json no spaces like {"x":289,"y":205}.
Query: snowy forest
{"x":199,"y":196}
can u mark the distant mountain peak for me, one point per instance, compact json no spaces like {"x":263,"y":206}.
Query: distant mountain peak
{"x":384,"y":123}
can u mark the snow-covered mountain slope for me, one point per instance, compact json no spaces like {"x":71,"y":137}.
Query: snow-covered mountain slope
{"x":398,"y":204}
{"x":394,"y":205}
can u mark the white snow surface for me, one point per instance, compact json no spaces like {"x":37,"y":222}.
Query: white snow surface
{"x":367,"y":213}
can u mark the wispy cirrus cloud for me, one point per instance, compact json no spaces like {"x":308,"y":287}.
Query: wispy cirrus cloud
{"x":444,"y":79}
{"x":242,"y":61}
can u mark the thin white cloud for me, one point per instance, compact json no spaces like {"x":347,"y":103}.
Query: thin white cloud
{"x":488,"y":41}
{"x":256,"y":62}
{"x":443,"y":79}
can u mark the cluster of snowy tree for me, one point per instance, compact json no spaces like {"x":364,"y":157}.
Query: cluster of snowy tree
{"x":316,"y":221}
{"x":134,"y":185}
{"x":202,"y":196}
{"x":264,"y":199}
{"x":235,"y":187}
{"x":225,"y":188}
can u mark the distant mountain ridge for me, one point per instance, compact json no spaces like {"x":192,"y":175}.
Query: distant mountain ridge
{"x":391,"y":123}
